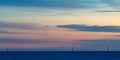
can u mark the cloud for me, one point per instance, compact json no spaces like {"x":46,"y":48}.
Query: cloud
{"x":92,"y":28}
{"x":113,"y":35}
{"x":20,"y":25}
{"x":8,"y":32}
{"x":108,"y":11}
{"x":12,"y":40}
{"x":22,"y":41}
{"x":99,"y":44}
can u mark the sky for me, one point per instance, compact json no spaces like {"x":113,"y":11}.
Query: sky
{"x":60,"y":25}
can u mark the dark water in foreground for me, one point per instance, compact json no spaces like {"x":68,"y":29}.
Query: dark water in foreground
{"x":55,"y":55}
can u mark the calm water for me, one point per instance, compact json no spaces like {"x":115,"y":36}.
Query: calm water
{"x":63,"y":55}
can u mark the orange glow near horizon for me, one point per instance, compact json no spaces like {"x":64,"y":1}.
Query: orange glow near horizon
{"x":60,"y":34}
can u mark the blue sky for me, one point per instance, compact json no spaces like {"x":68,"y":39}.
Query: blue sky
{"x":61,"y":4}
{"x":33,"y":24}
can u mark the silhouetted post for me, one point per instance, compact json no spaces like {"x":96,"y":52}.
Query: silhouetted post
{"x":108,"y":48}
{"x":91,"y":49}
{"x":7,"y":50}
{"x":72,"y":48}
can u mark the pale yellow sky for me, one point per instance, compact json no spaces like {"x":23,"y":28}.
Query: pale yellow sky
{"x":59,"y":16}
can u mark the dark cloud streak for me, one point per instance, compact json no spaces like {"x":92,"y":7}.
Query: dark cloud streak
{"x":26,"y":41}
{"x":12,"y":40}
{"x":20,"y":25}
{"x":105,"y":11}
{"x":99,"y":44}
{"x":8,"y":32}
{"x":92,"y":28}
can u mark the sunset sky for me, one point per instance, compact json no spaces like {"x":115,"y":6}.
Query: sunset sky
{"x":60,"y":25}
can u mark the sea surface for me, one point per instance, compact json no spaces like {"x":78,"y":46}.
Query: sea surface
{"x":60,"y":55}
